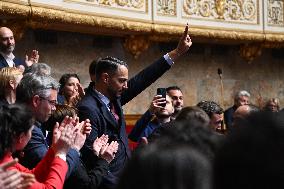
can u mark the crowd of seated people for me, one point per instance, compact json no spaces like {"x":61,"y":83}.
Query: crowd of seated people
{"x":56,"y":134}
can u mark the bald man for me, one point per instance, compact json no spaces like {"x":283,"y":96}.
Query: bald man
{"x":7,"y":46}
{"x":242,"y":112}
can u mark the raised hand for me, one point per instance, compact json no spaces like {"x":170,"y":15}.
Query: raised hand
{"x":183,"y":45}
{"x":108,"y":151}
{"x":99,"y":143}
{"x":34,"y":57}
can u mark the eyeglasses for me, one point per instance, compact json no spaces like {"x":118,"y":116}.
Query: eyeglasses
{"x":51,"y":102}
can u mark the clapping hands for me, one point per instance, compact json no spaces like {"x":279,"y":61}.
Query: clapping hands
{"x":104,"y":149}
{"x":71,"y":133}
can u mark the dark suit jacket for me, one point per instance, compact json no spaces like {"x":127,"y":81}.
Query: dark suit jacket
{"x":103,"y":122}
{"x":228,"y":117}
{"x":83,"y":179}
{"x":37,"y":148}
{"x":3,"y":62}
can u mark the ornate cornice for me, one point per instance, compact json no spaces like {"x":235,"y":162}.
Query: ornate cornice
{"x":49,"y":18}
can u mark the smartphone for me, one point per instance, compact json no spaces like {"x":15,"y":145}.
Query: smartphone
{"x":163,"y":93}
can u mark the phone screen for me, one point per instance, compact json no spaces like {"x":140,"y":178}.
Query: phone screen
{"x":163,"y":92}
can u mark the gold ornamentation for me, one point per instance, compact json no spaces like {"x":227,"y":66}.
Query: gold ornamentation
{"x":220,"y":8}
{"x":275,"y":12}
{"x":250,"y":51}
{"x":228,"y":10}
{"x":136,"y":44}
{"x":166,"y":7}
{"x":47,"y":18}
{"x":205,"y":8}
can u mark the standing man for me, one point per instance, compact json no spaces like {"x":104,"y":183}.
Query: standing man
{"x":7,"y":46}
{"x":241,"y":98}
{"x":103,"y":105}
{"x":176,"y":94}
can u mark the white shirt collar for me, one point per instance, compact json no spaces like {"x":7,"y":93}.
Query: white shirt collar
{"x":9,"y":58}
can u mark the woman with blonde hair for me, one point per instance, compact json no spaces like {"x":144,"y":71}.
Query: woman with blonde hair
{"x":10,"y":77}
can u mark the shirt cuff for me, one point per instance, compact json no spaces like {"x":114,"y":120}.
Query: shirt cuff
{"x":61,"y":156}
{"x":168,"y":59}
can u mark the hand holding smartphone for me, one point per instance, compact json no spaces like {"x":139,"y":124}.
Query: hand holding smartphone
{"x":163,"y":93}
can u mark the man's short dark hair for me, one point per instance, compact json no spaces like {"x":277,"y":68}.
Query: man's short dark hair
{"x":109,"y":65}
{"x":92,"y":67}
{"x":173,"y":88}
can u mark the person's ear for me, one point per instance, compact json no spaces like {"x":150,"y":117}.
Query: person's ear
{"x":21,"y":138}
{"x":105,"y":77}
{"x":12,"y":84}
{"x":36,"y":101}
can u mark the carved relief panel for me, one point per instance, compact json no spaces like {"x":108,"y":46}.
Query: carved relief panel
{"x":125,"y":9}
{"x":273,"y":17}
{"x":166,"y":7}
{"x":134,"y":5}
{"x":275,"y":13}
{"x":240,"y":11}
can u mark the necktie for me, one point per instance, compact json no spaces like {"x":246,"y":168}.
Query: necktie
{"x":113,"y":111}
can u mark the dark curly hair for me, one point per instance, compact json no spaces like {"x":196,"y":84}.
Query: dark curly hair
{"x":210,"y":107}
{"x":14,"y":120}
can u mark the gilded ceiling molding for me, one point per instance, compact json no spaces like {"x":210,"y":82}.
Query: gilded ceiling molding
{"x":46,"y":18}
{"x":15,"y":9}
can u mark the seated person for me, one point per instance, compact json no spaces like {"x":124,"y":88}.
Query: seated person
{"x":15,"y":132}
{"x":82,"y":177}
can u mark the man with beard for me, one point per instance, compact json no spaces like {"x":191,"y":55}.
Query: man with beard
{"x":162,"y":114}
{"x":176,"y":94}
{"x":7,"y":46}
{"x":103,"y":104}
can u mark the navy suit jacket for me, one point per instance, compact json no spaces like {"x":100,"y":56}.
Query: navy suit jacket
{"x":3,"y":62}
{"x":37,"y":147}
{"x":228,"y":117}
{"x":103,"y":122}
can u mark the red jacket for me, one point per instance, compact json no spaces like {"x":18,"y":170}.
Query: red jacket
{"x":50,"y":172}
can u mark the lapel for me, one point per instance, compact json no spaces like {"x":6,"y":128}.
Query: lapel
{"x":3,"y":62}
{"x":104,"y":110}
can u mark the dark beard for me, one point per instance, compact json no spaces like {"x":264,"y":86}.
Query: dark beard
{"x":7,"y":50}
{"x":112,"y":94}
